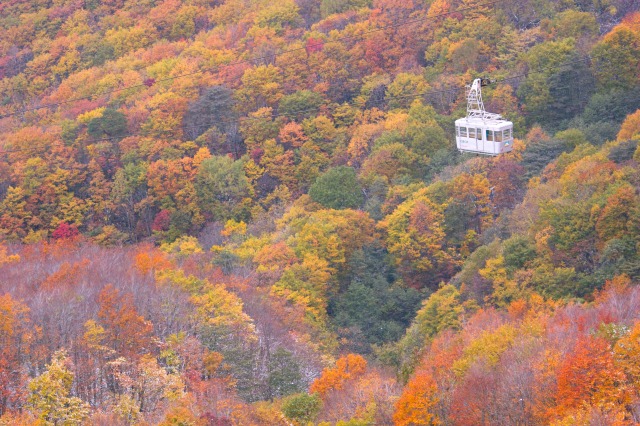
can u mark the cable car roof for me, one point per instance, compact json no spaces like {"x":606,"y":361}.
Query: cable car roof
{"x":483,"y":122}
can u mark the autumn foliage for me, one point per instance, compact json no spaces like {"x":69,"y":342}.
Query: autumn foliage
{"x":241,"y":212}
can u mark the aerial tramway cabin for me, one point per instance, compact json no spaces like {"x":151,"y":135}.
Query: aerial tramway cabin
{"x":482,"y":132}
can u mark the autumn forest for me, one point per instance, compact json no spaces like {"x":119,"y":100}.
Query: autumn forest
{"x":253,"y":212}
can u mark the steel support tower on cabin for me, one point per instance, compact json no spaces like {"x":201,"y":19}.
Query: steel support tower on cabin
{"x":482,"y":132}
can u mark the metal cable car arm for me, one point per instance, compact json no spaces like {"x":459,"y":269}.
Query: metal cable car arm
{"x":475,"y":106}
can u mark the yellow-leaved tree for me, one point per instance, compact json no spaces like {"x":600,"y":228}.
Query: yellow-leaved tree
{"x":416,"y":240}
{"x":50,"y":395}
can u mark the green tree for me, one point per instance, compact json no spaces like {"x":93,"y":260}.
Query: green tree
{"x":329,"y":7}
{"x":375,"y":308}
{"x":571,"y":137}
{"x":553,"y":92}
{"x":279,"y":15}
{"x":570,"y":89}
{"x":338,"y":189}
{"x":518,"y":251}
{"x":301,"y":104}
{"x":425,"y":134}
{"x":284,"y":376}
{"x":222,"y":188}
{"x":380,"y":311}
{"x":184,"y":25}
{"x":624,"y":151}
{"x":558,"y":282}
{"x":611,"y":106}
{"x":112,"y":124}
{"x":95,"y":51}
{"x":214,"y":107}
{"x":302,"y":408}
{"x":574,"y":23}
{"x":540,"y":153}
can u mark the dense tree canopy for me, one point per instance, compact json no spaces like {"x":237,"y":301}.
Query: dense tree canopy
{"x":240,"y":212}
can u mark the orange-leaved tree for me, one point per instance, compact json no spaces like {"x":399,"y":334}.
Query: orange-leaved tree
{"x":416,"y":405}
{"x":128,"y":333}
{"x":589,"y":375}
{"x":347,"y":368}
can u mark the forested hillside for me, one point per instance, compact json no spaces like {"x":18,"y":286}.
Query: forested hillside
{"x":251,"y":212}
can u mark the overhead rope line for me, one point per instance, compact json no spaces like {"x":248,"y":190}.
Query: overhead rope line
{"x":453,"y":89}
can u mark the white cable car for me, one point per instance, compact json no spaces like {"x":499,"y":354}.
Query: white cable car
{"x":482,"y":132}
